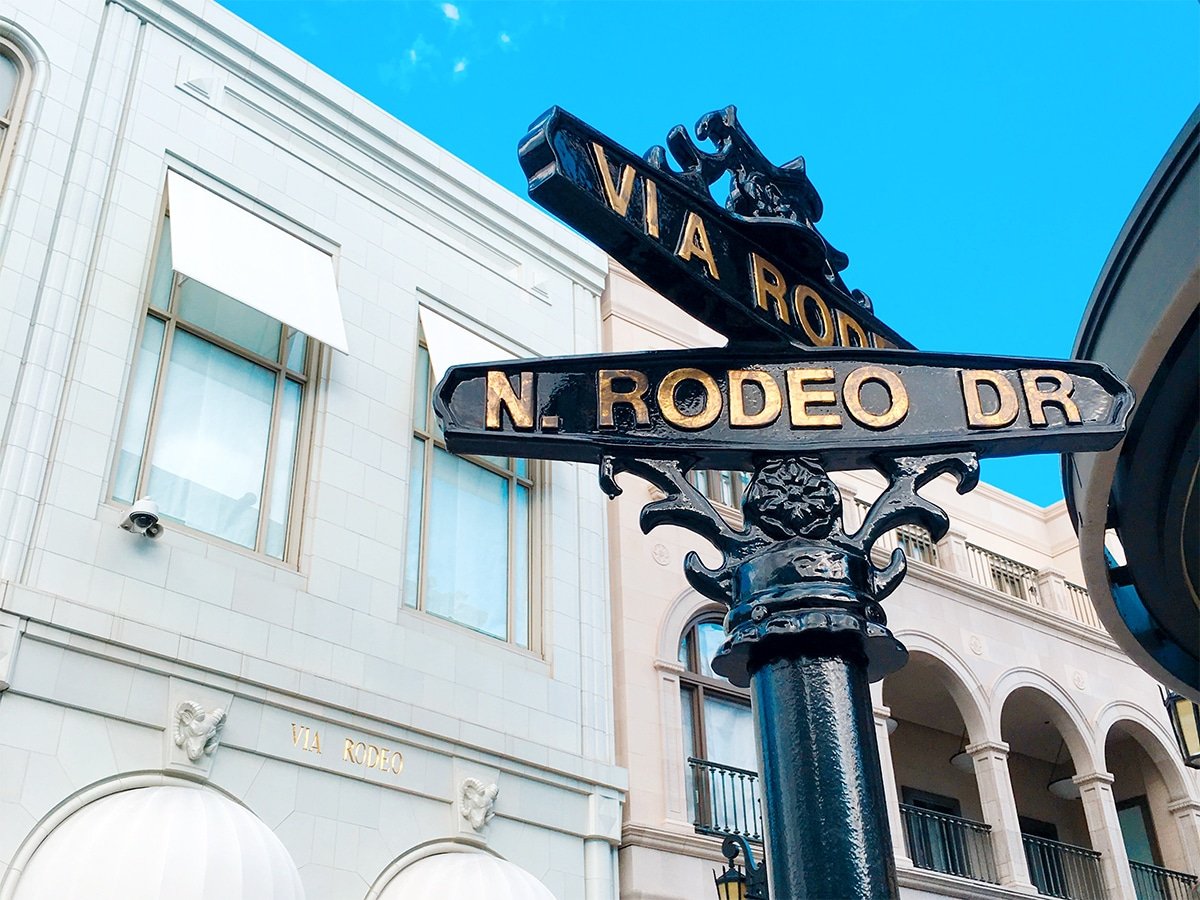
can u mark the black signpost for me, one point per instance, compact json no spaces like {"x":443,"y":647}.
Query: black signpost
{"x":810,"y":382}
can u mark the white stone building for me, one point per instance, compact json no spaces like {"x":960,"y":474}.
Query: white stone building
{"x":350,"y":665}
{"x":1012,"y":686}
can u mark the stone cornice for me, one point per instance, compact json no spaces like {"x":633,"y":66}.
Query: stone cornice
{"x":702,"y":846}
{"x":333,"y":108}
{"x":999,"y":748}
{"x":1090,"y":778}
{"x":1187,"y":804}
{"x":953,"y":886}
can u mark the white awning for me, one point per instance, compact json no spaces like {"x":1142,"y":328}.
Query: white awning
{"x":247,"y":258}
{"x":185,"y":843}
{"x":452,"y":345}
{"x":465,"y":876}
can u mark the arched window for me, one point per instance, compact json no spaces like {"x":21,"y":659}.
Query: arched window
{"x":14,"y":72}
{"x":718,"y":737}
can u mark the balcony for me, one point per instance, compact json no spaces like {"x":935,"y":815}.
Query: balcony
{"x":949,"y":844}
{"x":725,"y":800}
{"x":991,"y":570}
{"x":1062,"y":870}
{"x":1156,"y":883}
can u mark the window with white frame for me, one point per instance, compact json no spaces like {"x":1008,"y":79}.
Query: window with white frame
{"x":468,"y":553}
{"x":14,"y":72}
{"x":215,"y":413}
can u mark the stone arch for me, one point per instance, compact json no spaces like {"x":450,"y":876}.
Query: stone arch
{"x":424,"y":851}
{"x":686,"y":606}
{"x":1152,"y":736}
{"x":963,"y":685}
{"x":34,"y":64}
{"x":1065,"y":713}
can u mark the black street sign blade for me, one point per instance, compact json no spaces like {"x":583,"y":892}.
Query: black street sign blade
{"x":728,"y":408}
{"x":765,"y":279}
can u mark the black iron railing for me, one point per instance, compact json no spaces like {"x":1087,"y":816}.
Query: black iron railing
{"x":949,"y":844}
{"x":1062,"y":870}
{"x":1157,"y":883}
{"x":725,"y":800}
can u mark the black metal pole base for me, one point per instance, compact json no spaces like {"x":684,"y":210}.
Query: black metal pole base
{"x":828,"y":837}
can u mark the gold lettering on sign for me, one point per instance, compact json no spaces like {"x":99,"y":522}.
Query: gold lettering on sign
{"x":848,"y":328}
{"x":306,"y":739}
{"x":373,"y":756}
{"x":1007,"y":404}
{"x":802,"y":297}
{"x":617,"y":196}
{"x":500,"y":395}
{"x":772,"y":399}
{"x":677,"y":417}
{"x":800,"y":398}
{"x":897,"y":397}
{"x":1059,"y":394}
{"x":693,"y":242}
{"x":769,"y":286}
{"x":607,"y":398}
{"x":651,"y":190}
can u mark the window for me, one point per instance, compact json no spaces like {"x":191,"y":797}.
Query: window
{"x":214,"y":414}
{"x":721,"y":485}
{"x":467,"y":557}
{"x":718,"y":738}
{"x":934,"y":841}
{"x":13,"y":72}
{"x":1137,"y":829}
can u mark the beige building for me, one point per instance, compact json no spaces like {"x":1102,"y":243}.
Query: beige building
{"x":1022,"y":752}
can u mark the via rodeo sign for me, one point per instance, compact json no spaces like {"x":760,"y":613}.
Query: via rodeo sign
{"x":809,"y":369}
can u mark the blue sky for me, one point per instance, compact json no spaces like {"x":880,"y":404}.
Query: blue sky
{"x":976,"y":160}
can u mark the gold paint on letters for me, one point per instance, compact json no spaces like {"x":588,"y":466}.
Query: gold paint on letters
{"x":847,"y":324}
{"x":826,"y":336}
{"x":500,"y":395}
{"x":772,"y":399}
{"x":618,"y":197}
{"x":607,"y":398}
{"x":674,"y":415}
{"x":651,"y":190}
{"x":1059,"y":395}
{"x":693,"y":242}
{"x":800,"y":398}
{"x":897,"y":393}
{"x":372,"y":756}
{"x":1009,"y":405}
{"x":769,"y":286}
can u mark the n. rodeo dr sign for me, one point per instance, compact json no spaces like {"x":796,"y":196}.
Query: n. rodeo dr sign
{"x":723,"y":408}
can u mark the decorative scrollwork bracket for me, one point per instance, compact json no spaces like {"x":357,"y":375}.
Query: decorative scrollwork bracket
{"x":792,"y":569}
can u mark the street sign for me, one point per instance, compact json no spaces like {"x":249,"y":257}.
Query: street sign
{"x":725,"y":409}
{"x":755,"y":270}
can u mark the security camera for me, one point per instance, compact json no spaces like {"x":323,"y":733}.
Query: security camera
{"x":142,"y":518}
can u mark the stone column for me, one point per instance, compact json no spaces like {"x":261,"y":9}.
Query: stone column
{"x":895,"y":823}
{"x":600,"y":847}
{"x":1000,"y":812}
{"x":952,"y":554}
{"x":1052,"y":593}
{"x":1095,"y":790}
{"x":1186,"y":813}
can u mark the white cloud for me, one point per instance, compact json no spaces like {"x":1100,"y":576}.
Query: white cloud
{"x":505,"y":38}
{"x":450,"y":11}
{"x":460,"y":66}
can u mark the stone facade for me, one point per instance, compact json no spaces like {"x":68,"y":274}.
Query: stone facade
{"x":303,"y":688}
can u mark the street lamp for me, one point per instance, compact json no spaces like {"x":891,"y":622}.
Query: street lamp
{"x":733,"y":883}
{"x":1185,"y":722}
